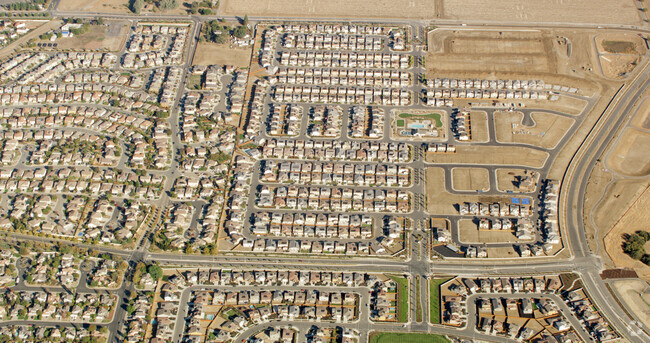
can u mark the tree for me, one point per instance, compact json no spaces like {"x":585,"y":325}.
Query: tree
{"x":246,"y":21}
{"x":155,"y":271}
{"x":136,"y":6}
{"x":240,"y":32}
{"x":168,"y":4}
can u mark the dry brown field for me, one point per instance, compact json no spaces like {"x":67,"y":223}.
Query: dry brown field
{"x":222,"y":54}
{"x":421,"y":9}
{"x":111,"y":37}
{"x":572,"y":11}
{"x":641,"y":119}
{"x":635,"y":294}
{"x":492,"y":155}
{"x":479,"y":126}
{"x":635,"y":218}
{"x":630,"y":154}
{"x":546,"y":133}
{"x":470,"y":179}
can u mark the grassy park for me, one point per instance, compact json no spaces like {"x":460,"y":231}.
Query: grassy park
{"x":391,"y":337}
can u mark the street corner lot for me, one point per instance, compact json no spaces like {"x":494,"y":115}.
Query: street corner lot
{"x":439,"y":201}
{"x":221,"y":54}
{"x":507,"y":179}
{"x":479,"y":126}
{"x":636,"y":296}
{"x":630,"y":154}
{"x":492,"y":155}
{"x":468,"y":232}
{"x":330,"y":9}
{"x":546,"y":132}
{"x":111,"y":36}
{"x":619,"y":53}
{"x":419,"y":124}
{"x":483,"y":52}
{"x":470,"y":179}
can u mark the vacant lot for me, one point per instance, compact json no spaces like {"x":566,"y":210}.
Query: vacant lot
{"x":470,"y":179}
{"x":111,"y":37}
{"x":105,"y":6}
{"x":334,"y":8}
{"x":641,"y":119}
{"x":489,"y":51}
{"x":222,"y":54}
{"x":479,"y":126}
{"x":492,"y":155}
{"x":574,"y":11}
{"x":619,"y":53}
{"x":635,"y":218}
{"x":507,"y":178}
{"x":630,"y":155}
{"x":635,"y":294}
{"x":547,"y":132}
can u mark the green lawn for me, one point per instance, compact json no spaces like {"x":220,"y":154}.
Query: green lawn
{"x":391,"y":337}
{"x":194,"y":82}
{"x":400,"y":122}
{"x":433,"y":116}
{"x":434,"y":299}
{"x":402,"y":298}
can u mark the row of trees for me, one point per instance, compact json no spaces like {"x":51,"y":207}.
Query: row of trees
{"x":136,"y":5}
{"x":633,"y":245}
{"x":33,"y":5}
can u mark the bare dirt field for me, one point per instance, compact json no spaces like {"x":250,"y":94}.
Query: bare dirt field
{"x":619,"y":53}
{"x":468,"y":232}
{"x":574,"y":11}
{"x":111,"y":37}
{"x":222,"y":54}
{"x":329,"y":9}
{"x":635,"y":218}
{"x":492,"y":155}
{"x":506,"y":178}
{"x":547,"y":131}
{"x":470,"y":179}
{"x":635,"y":294}
{"x":490,"y":51}
{"x":630,"y":154}
{"x":479,"y":126}
{"x":641,"y":119}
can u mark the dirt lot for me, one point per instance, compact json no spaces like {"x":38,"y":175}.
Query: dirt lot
{"x":468,"y":232}
{"x":635,"y":294}
{"x":574,"y":11}
{"x":328,"y":9}
{"x":506,"y":178}
{"x":222,"y":54}
{"x":547,"y":131}
{"x":634,"y":219}
{"x":491,"y":155}
{"x":489,"y":51}
{"x":470,"y":179}
{"x":619,"y":53}
{"x":111,"y":37}
{"x":479,"y":128}
{"x":630,"y":154}
{"x":641,"y":119}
